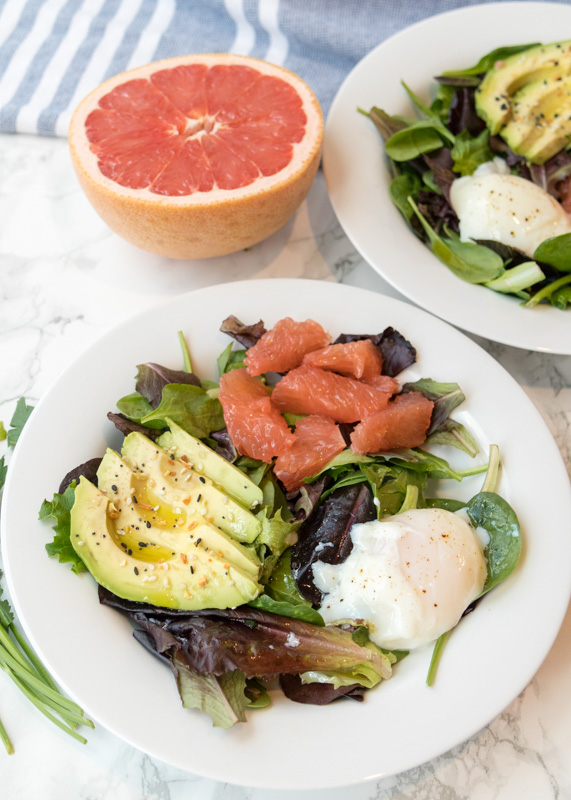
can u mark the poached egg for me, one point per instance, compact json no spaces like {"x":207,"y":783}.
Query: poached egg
{"x":410,"y":576}
{"x":492,"y":204}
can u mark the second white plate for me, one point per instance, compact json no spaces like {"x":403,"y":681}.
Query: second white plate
{"x":358,"y":178}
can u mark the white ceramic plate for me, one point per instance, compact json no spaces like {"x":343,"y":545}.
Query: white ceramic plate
{"x":358,"y":178}
{"x":489,"y":659}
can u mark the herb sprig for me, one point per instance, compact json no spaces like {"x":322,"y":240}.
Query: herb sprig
{"x":17,"y":659}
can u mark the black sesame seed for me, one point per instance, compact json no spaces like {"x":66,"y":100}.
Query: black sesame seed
{"x":191,"y":570}
{"x":135,"y":570}
{"x":202,"y":480}
{"x":148,"y":524}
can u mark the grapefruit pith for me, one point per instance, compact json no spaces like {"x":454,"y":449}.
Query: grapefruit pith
{"x":199,"y":155}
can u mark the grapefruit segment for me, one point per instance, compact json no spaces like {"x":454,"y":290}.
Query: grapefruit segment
{"x":283,"y":347}
{"x":360,"y":359}
{"x":310,"y":390}
{"x":384,"y":383}
{"x":197,"y":155}
{"x":255,"y":426}
{"x":317,"y":440}
{"x":403,"y":423}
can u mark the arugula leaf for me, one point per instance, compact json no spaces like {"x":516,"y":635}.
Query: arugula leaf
{"x":19,"y":419}
{"x":59,"y":509}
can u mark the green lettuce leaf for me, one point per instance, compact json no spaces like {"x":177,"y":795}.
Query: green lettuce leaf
{"x":59,"y":509}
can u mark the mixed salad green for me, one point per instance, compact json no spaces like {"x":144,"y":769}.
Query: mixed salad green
{"x":451,"y":138}
{"x":225,"y":660}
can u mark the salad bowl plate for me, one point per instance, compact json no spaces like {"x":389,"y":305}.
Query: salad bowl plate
{"x":402,"y":723}
{"x":358,"y":177}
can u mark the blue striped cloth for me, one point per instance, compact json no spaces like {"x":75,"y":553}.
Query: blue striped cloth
{"x":53,"y":52}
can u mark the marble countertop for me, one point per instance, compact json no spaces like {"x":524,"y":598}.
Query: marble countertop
{"x":64,"y":281}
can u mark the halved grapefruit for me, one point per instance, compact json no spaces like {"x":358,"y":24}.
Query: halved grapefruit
{"x":199,"y":155}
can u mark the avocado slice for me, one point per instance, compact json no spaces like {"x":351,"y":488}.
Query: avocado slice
{"x":540,"y":64}
{"x":540,"y":126}
{"x":204,"y":460}
{"x":175,"y":482}
{"x":186,"y":570}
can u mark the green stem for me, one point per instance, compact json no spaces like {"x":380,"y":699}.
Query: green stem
{"x":517,"y":279}
{"x":410,"y":498}
{"x":436,"y":655}
{"x":41,"y":670}
{"x":547,"y":291}
{"x":53,"y":698}
{"x":6,"y":740}
{"x":185,"y":352}
{"x":41,"y":707}
{"x":491,"y":479}
{"x":465,"y":473}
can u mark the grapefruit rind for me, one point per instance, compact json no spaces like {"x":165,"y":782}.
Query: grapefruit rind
{"x":202,"y":224}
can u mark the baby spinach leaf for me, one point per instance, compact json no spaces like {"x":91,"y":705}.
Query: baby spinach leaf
{"x":430,"y":115}
{"x":468,"y":152}
{"x":487,"y":62}
{"x":401,"y":188}
{"x":294,"y":611}
{"x":471,"y":262}
{"x":491,"y":512}
{"x":556,"y":252}
{"x":420,"y":137}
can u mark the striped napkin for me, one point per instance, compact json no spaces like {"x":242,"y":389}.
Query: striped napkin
{"x":53,"y":52}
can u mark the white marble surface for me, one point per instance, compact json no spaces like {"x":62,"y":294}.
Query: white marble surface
{"x":64,"y":280}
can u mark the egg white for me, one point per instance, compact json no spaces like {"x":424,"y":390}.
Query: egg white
{"x":409,"y":576}
{"x":492,"y":204}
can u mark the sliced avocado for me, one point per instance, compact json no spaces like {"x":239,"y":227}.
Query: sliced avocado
{"x":174,"y":482}
{"x":179,"y":571}
{"x":204,"y":460}
{"x":543,"y":63}
{"x":540,"y":126}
